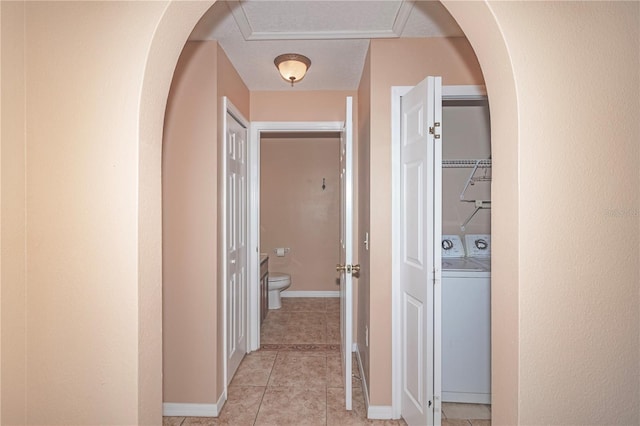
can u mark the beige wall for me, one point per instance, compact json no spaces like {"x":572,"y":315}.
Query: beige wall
{"x":565,"y":339}
{"x":466,"y":135}
{"x":83,"y":85}
{"x":190,"y":229}
{"x":12,"y":218}
{"x":296,"y":105}
{"x":481,"y":28}
{"x":454,"y":60}
{"x":295,"y":212}
{"x":565,"y":311}
{"x":364,"y":143}
{"x":80,"y":287}
{"x":192,"y":289}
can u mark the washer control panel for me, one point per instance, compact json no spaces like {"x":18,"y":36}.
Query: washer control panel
{"x":452,"y":246}
{"x":478,"y":245}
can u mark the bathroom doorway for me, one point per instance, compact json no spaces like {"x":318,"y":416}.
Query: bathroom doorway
{"x":299,"y":209}
{"x":279,"y":135}
{"x":335,"y":184}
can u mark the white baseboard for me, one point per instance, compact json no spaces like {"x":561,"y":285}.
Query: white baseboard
{"x":302,"y":293}
{"x":380,"y":412}
{"x":175,"y":409}
{"x":373,"y":411}
{"x":363,"y":378}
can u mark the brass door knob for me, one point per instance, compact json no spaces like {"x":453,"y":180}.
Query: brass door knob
{"x":355,"y":268}
{"x":341,"y":268}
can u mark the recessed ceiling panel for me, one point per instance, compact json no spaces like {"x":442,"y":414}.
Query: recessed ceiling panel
{"x":316,"y":16}
{"x":334,"y":34}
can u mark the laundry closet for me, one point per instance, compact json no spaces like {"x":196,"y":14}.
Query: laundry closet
{"x":466,"y":251}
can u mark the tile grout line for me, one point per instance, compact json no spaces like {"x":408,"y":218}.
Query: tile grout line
{"x":273,"y":366}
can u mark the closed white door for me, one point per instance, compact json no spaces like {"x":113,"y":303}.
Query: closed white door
{"x":420,"y":224}
{"x":235,"y":241}
{"x":346,"y":251}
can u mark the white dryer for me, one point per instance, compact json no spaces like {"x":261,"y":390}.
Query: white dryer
{"x":466,"y":324}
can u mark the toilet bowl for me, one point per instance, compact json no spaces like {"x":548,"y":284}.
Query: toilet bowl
{"x":277,"y":282}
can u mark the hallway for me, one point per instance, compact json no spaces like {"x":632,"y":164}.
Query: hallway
{"x":296,"y":378}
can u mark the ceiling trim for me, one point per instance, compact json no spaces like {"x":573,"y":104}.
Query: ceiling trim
{"x":402,"y":16}
{"x":249,"y":34}
{"x":321,"y":35}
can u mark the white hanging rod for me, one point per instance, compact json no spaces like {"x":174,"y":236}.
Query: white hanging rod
{"x":466,"y":164}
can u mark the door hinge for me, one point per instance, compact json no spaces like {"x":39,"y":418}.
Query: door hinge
{"x":432,"y":130}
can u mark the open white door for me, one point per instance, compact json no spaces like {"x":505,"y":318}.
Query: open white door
{"x":420,"y":276}
{"x":345,"y":266}
{"x":235,"y":237}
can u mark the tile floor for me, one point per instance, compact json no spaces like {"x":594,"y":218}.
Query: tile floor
{"x":296,"y":376}
{"x":454,"y":414}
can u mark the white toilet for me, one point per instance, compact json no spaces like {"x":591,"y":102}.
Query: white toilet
{"x":277,"y":282}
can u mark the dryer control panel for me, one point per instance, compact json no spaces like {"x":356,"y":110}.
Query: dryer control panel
{"x":478,"y":245}
{"x":452,"y":246}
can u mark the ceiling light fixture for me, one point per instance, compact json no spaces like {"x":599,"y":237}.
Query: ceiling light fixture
{"x":292,"y":66}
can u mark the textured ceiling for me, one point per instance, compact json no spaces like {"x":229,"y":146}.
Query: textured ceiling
{"x":334,"y":34}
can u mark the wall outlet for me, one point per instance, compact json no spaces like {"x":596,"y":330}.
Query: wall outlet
{"x":366,"y":336}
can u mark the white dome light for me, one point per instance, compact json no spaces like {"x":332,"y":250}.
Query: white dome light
{"x":292,"y":66}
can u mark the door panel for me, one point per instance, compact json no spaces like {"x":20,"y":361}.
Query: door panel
{"x":413,"y":380}
{"x":420,"y":201}
{"x":236,"y":238}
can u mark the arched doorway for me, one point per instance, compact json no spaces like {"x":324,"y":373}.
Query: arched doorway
{"x":483,"y":32}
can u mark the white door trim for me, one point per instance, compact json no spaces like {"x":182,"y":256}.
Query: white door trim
{"x":227,"y":107}
{"x":448,"y":93}
{"x":256,"y":128}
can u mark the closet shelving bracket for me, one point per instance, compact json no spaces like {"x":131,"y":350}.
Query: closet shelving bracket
{"x":471,"y":180}
{"x":480,"y":204}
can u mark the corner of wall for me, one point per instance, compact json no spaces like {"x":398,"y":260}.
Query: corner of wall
{"x":191,"y":359}
{"x":12,"y":214}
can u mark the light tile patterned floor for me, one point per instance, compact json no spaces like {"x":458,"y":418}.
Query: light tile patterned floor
{"x":296,"y":377}
{"x":455,"y":414}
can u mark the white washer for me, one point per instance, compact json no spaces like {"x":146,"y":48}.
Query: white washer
{"x":466,"y":325}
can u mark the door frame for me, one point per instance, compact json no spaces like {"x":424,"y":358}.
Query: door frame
{"x":229,"y":108}
{"x":469,"y":92}
{"x":253,"y":255}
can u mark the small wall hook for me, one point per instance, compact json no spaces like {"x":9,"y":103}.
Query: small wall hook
{"x":323,"y":184}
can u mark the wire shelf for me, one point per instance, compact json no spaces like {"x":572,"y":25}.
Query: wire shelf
{"x":466,"y":164}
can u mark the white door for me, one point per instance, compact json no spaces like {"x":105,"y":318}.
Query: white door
{"x":346,"y":250}
{"x":235,"y":240}
{"x":420,"y":277}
